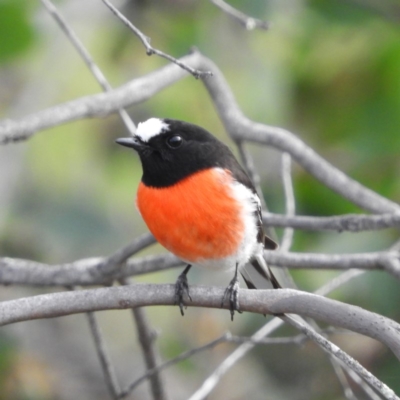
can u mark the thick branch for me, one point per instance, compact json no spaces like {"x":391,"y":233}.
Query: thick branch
{"x":88,"y":271}
{"x":283,"y":301}
{"x":80,"y":273}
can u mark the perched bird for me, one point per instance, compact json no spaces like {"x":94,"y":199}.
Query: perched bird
{"x":199,"y":203}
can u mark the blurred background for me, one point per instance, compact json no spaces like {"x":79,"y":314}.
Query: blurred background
{"x":329,"y":71}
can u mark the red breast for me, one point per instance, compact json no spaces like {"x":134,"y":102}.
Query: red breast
{"x":196,"y":218}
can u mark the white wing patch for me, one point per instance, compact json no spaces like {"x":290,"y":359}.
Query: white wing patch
{"x":150,"y":128}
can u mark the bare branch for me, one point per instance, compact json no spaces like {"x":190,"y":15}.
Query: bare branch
{"x":338,"y":281}
{"x":146,"y":339}
{"x":99,"y":105}
{"x":89,"y":271}
{"x":181,"y":357}
{"x":339,"y":354}
{"x":241,"y":351}
{"x":151,"y":50}
{"x":339,"y":223}
{"x":106,"y":365}
{"x":281,"y":301}
{"x":239,"y":127}
{"x":108,"y":265}
{"x":80,"y":48}
{"x":248,"y":22}
{"x":226,"y":338}
{"x":86,"y":271}
{"x":387,"y":260}
{"x":290,"y":204}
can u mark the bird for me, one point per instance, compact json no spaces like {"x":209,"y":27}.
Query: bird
{"x":199,"y":203}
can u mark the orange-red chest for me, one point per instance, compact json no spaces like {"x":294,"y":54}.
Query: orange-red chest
{"x":197,"y":218}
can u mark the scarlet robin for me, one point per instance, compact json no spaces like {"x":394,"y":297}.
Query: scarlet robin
{"x":199,"y":203}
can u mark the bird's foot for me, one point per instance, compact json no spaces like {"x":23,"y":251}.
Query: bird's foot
{"x":182,"y":288}
{"x":232,"y":293}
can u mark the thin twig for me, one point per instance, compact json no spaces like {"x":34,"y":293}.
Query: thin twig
{"x":87,"y":58}
{"x":180,"y":357}
{"x":209,"y":384}
{"x":338,"y":281}
{"x":147,"y":336}
{"x":151,"y":50}
{"x":249,"y":23}
{"x":226,"y":338}
{"x":109,"y":264}
{"x":146,"y":339}
{"x":336,"y":352}
{"x":105,"y":362}
{"x":290,"y":203}
{"x":286,"y":243}
{"x":339,"y":372}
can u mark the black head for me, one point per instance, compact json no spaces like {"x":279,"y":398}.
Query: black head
{"x":171,"y":150}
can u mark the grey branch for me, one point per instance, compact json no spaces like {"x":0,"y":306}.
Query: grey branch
{"x":147,"y":336}
{"x":175,"y":360}
{"x":236,"y":124}
{"x":106,"y":365}
{"x":151,"y":50}
{"x":339,"y":354}
{"x":87,"y":58}
{"x":88,"y":271}
{"x":283,"y":301}
{"x":82,"y":272}
{"x":339,"y":223}
{"x":248,"y":22}
{"x":386,"y":260}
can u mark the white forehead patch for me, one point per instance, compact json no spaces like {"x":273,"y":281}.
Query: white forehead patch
{"x":150,"y":128}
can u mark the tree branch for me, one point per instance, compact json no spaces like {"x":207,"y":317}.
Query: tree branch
{"x":151,"y":50}
{"x":387,"y":260}
{"x":283,"y":301}
{"x":87,"y":58}
{"x":147,"y":337}
{"x":238,"y":126}
{"x":105,"y":362}
{"x":339,"y":223}
{"x":83,"y":272}
{"x":249,"y":23}
{"x":86,"y":271}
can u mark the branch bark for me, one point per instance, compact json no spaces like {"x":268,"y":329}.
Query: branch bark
{"x":87,"y":272}
{"x":338,"y":223}
{"x":282,"y":301}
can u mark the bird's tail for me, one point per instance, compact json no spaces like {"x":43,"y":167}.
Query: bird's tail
{"x":263,"y":269}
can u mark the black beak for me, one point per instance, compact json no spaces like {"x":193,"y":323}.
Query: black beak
{"x":131,"y":142}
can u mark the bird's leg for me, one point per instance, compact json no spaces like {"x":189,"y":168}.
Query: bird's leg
{"x":182,"y":287}
{"x":232,"y":292}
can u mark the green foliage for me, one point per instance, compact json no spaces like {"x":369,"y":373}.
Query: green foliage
{"x":16,"y":28}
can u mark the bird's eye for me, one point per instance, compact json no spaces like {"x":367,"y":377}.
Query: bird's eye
{"x":174,"y":141}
